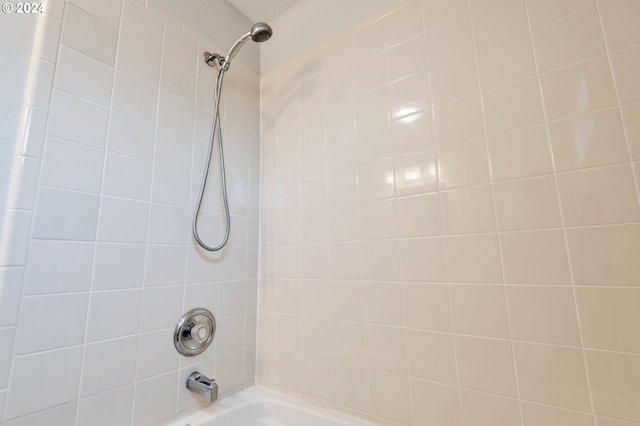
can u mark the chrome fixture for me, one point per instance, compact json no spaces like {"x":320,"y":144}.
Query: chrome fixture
{"x":194,"y":332}
{"x":259,"y":32}
{"x":203,"y":386}
{"x":213,"y":58}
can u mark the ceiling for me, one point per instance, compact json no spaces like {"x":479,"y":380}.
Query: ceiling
{"x":262,"y":10}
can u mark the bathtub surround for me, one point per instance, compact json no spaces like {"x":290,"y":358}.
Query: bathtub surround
{"x":446,"y":193}
{"x":450,"y":224}
{"x":98,"y":264}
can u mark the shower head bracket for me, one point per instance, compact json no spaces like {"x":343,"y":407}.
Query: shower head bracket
{"x":213,"y":59}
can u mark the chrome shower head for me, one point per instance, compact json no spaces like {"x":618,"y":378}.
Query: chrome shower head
{"x":261,"y":32}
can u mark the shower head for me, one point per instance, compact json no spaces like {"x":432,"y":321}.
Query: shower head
{"x":259,"y":32}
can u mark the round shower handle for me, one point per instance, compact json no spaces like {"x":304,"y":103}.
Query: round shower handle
{"x":194,"y":332}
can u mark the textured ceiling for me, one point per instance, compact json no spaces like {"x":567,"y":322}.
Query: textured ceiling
{"x":262,"y":10}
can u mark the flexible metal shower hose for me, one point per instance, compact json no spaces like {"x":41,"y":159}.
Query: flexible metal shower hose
{"x":216,"y":126}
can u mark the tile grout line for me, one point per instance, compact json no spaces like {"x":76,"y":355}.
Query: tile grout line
{"x":191,"y":193}
{"x":299,"y":233}
{"x":635,"y":173}
{"x":100,"y":205}
{"x":405,"y":334}
{"x":562,"y":216}
{"x":452,"y":332}
{"x":327,"y":252}
{"x":146,"y":244}
{"x":259,"y":268}
{"x":495,"y":213}
{"x":354,"y":127}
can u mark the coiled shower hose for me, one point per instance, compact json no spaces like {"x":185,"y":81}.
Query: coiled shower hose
{"x":217,"y":125}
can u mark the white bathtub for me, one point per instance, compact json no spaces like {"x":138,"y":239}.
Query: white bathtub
{"x":259,"y":406}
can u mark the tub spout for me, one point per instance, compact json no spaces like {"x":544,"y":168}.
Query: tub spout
{"x":203,"y":386}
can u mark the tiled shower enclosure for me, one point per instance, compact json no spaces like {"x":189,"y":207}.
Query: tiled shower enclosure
{"x":435,"y":213}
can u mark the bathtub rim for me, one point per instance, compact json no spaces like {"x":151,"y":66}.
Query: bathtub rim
{"x":259,"y":393}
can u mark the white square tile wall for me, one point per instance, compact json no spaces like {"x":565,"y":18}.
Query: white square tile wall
{"x":450,"y":216}
{"x":100,"y":263}
{"x":436,"y":217}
